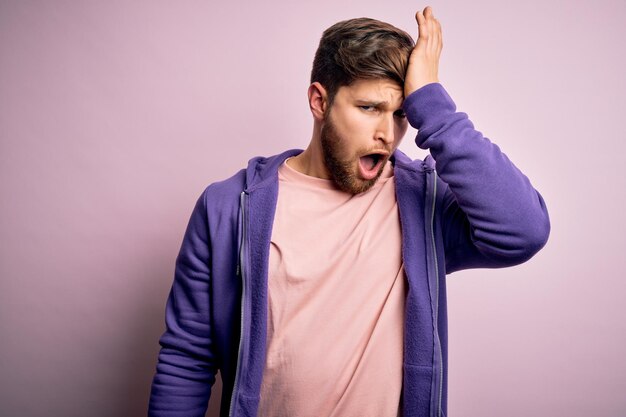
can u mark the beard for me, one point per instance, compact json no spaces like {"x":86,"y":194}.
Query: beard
{"x":343,"y":171}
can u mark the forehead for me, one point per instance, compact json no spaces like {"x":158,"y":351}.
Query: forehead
{"x":376,"y":90}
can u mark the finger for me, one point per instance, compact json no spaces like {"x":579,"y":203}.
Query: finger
{"x":430,"y":19}
{"x":439,"y":34}
{"x":436,"y":34}
{"x":422,"y":26}
{"x":431,"y":26}
{"x":428,"y":12}
{"x":419,"y":16}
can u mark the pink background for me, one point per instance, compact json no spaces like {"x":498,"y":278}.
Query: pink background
{"x":115,"y":115}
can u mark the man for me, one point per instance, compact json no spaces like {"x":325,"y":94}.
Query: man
{"x":315,"y":280}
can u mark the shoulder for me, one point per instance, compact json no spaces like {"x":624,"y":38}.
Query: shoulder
{"x":403,"y":162}
{"x":409,"y":172}
{"x":231,"y":185}
{"x":224,"y":194}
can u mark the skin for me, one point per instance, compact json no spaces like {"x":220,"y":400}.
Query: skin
{"x":353,"y":127}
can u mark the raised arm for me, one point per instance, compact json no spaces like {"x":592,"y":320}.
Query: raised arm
{"x":491,"y":216}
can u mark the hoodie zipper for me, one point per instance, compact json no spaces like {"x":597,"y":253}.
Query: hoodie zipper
{"x":241,"y":269}
{"x":433,"y":178}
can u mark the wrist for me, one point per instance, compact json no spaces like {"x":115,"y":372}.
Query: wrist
{"x":410,"y":87}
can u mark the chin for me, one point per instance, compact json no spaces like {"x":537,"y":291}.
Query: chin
{"x":351,"y":182}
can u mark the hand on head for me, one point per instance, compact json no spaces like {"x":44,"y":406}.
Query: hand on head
{"x":423,"y":65}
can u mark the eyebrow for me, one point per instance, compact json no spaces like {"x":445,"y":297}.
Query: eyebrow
{"x":374,"y":103}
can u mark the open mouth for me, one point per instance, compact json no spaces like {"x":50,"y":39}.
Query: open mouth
{"x":370,"y":164}
{"x":371,"y":160}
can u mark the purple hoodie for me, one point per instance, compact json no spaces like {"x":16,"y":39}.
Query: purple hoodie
{"x":465,"y":206}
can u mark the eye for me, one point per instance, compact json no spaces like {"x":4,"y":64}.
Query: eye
{"x":367,"y":107}
{"x":401,"y":114}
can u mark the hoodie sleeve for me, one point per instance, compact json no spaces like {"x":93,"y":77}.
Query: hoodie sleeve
{"x":186,"y":367}
{"x":491,"y":216}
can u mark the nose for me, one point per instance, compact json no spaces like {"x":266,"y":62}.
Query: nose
{"x":385,"y":130}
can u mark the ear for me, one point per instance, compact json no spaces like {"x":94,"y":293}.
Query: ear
{"x":318,"y":100}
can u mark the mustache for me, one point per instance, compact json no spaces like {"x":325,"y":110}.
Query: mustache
{"x":382,"y":151}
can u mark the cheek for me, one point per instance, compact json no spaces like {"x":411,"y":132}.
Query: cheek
{"x":356,"y":120}
{"x":354,"y":132}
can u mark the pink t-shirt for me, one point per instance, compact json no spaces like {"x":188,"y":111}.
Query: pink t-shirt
{"x":336,"y":301}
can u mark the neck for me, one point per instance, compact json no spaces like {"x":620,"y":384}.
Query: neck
{"x":311,"y":161}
